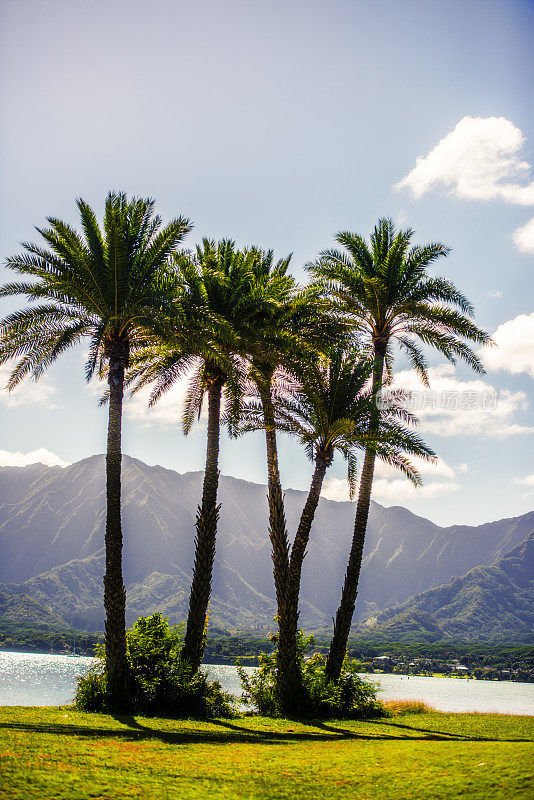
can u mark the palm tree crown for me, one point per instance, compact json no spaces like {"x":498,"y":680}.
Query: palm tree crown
{"x":329,"y":410}
{"x":110,"y":285}
{"x":386,"y":290}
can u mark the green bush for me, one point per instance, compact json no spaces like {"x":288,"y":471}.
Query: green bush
{"x":159,"y":683}
{"x":349,"y":698}
{"x":91,"y":690}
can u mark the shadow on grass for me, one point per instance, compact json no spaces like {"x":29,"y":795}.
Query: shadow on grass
{"x":230,"y":732}
{"x":413,"y":733}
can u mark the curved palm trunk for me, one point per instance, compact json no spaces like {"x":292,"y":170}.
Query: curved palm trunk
{"x":288,"y":678}
{"x":343,"y":621}
{"x":206,"y":527}
{"x":114,"y":591}
{"x":298,"y":551}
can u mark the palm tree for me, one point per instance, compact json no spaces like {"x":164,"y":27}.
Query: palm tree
{"x":328,"y":410}
{"x":269,"y":339}
{"x":386,"y":290}
{"x":113,"y":286}
{"x":290,"y":328}
{"x":215,"y":298}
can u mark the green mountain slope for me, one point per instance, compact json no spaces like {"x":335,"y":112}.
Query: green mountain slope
{"x":492,"y":603}
{"x":21,"y":608}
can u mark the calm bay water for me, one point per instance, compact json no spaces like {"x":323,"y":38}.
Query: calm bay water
{"x":29,"y":679}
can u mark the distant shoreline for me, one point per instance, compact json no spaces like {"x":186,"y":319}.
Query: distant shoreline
{"x":253,"y":663}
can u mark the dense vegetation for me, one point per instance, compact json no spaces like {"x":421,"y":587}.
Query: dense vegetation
{"x":227,"y":649}
{"x":517,"y":659}
{"x":31,"y":637}
{"x":223,"y":649}
{"x":350,"y":697}
{"x":308,"y":360}
{"x":159,"y":681}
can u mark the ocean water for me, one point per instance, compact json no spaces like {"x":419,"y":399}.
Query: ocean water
{"x":30,"y":679}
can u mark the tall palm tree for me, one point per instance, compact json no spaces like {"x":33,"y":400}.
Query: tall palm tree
{"x":268,"y":341}
{"x":113,"y":286}
{"x":388,"y":293}
{"x":215,"y":298}
{"x":291,"y":327}
{"x":328,"y":410}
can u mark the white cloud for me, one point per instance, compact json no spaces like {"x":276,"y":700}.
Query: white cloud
{"x":524,"y":237}
{"x":391,"y":491}
{"x":335,"y":489}
{"x":526,"y":495}
{"x":390,"y":486}
{"x":39,"y":456}
{"x":514,"y":351}
{"x":528,"y":480}
{"x":401,"y":489}
{"x":427,"y":469}
{"x":478,"y":160}
{"x":497,"y":294}
{"x":452,"y":407}
{"x":167,"y":413}
{"x":27,"y":393}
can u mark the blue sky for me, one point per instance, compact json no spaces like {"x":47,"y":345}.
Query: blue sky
{"x":280,"y":123}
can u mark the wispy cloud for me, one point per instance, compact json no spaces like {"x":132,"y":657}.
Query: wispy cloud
{"x":524,"y":237}
{"x":528,"y":480}
{"x":455,"y":407}
{"x":39,"y":456}
{"x":439,"y":479}
{"x":28,"y":392}
{"x":167,"y":413}
{"x":479,"y":160}
{"x":400,"y":490}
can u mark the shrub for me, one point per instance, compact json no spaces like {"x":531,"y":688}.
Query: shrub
{"x":91,"y":690}
{"x":399,"y":708}
{"x":349,"y":698}
{"x":159,"y":683}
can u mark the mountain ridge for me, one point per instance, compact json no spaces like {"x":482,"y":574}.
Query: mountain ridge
{"x":51,"y":539}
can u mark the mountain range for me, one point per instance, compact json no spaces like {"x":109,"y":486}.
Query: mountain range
{"x":51,"y":546}
{"x":489,"y":602}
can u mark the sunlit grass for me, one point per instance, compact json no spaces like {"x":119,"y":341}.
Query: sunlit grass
{"x":59,"y":753}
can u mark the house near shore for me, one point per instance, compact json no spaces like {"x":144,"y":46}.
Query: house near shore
{"x":382,"y":661}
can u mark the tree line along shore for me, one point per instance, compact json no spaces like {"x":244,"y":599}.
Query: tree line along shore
{"x":486,"y":661}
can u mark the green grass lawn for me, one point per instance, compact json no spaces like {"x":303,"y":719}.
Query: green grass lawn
{"x":60,"y":753}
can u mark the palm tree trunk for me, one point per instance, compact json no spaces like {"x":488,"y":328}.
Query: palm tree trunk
{"x":206,"y":527}
{"x":114,"y":591}
{"x":298,"y":550}
{"x":343,"y":621}
{"x":288,"y":678}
